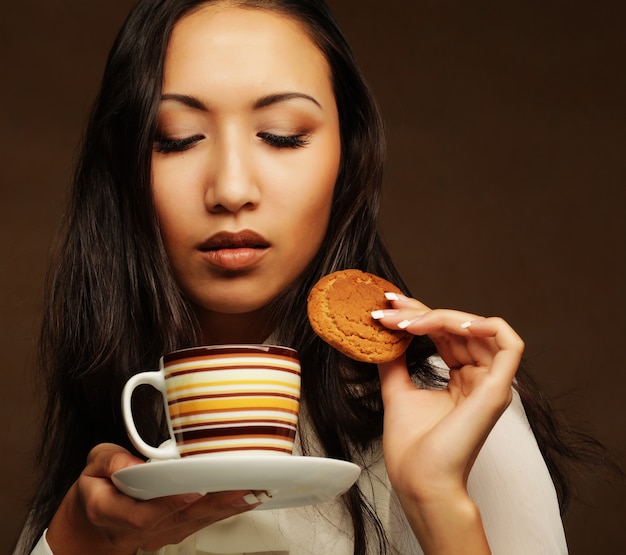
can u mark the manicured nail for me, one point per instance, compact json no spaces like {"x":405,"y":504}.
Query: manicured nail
{"x":246,"y":500}
{"x":251,"y":499}
{"x":263,"y":497}
{"x":406,"y":323}
{"x":378,"y":314}
{"x":391,"y":296}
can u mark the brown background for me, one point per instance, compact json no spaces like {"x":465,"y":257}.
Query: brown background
{"x":505,"y":192}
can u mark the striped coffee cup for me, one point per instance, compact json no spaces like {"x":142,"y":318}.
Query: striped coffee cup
{"x":223,"y":400}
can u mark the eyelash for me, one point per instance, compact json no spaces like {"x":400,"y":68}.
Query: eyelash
{"x":165,"y":145}
{"x":284,"y":141}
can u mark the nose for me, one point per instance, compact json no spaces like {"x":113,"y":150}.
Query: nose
{"x":232,"y":185}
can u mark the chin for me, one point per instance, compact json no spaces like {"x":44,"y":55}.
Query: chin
{"x":227,"y":307}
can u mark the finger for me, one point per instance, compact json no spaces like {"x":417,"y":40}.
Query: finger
{"x":413,"y":316}
{"x":439,"y":322}
{"x":208,"y":510}
{"x":397,"y":300}
{"x":213,"y":507}
{"x":509,"y":344}
{"x":105,"y":505}
{"x":453,"y":350}
{"x":401,"y":314}
{"x":487,"y":339}
{"x":458,"y":351}
{"x":106,"y":458}
{"x":456,"y":346}
{"x":498,"y":329}
{"x":401,"y":308}
{"x":452,"y":327}
{"x":394,"y":378}
{"x":131,"y":522}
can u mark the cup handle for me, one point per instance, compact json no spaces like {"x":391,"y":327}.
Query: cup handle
{"x":156,"y":380}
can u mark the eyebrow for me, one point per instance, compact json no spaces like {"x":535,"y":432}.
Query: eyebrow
{"x":187,"y":100}
{"x":268,"y":100}
{"x":263,"y":102}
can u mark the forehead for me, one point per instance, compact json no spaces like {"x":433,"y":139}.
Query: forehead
{"x":224,"y":44}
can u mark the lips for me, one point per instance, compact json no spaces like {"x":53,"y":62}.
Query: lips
{"x":242,"y":239}
{"x":234,"y":251}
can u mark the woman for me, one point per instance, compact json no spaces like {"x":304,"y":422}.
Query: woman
{"x":233,"y":158}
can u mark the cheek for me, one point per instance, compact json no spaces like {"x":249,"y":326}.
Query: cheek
{"x":314,"y":204}
{"x":318,"y":176}
{"x":175,"y":200}
{"x":168,"y":223}
{"x":321,"y":197}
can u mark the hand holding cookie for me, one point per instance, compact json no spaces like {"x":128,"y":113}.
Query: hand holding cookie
{"x":369,"y":319}
{"x":432,"y":437}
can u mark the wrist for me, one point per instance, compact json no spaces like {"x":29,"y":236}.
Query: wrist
{"x":445,"y":523}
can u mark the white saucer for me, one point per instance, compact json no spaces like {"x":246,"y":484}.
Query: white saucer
{"x":292,"y":480}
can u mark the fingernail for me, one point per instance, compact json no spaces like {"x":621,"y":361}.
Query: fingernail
{"x":250,"y":499}
{"x":466,"y":325}
{"x":263,"y":497}
{"x":192,"y":498}
{"x":246,"y":500}
{"x":406,"y":323}
{"x":378,"y":314}
{"x":391,"y":296}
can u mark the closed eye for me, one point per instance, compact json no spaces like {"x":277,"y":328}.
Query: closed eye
{"x":165,"y":145}
{"x":284,"y":141}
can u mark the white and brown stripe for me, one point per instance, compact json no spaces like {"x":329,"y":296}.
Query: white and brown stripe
{"x":227,"y":402}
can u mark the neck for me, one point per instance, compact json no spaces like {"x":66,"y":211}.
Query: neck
{"x":221,"y":329}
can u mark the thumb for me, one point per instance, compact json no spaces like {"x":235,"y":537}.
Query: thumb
{"x":394,"y":378}
{"x":107,"y":458}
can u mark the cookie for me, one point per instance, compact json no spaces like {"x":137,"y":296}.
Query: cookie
{"x":339,"y":309}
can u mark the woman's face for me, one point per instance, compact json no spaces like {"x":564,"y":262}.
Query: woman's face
{"x":246,"y":156}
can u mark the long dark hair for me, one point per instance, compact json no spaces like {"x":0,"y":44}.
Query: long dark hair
{"x":113,"y":306}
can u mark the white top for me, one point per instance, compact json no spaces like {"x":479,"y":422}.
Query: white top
{"x":509,"y":483}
